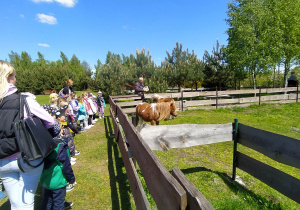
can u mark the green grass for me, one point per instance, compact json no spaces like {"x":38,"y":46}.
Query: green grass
{"x":103,"y":184}
{"x":209,"y":167}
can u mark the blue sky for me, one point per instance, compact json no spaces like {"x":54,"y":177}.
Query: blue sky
{"x":91,"y":28}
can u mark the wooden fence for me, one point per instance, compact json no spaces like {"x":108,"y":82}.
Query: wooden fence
{"x":168,"y":192}
{"x":176,"y":192}
{"x":215,"y":99}
{"x":277,"y":147}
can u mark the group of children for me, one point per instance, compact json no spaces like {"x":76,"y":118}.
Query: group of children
{"x":58,"y":176}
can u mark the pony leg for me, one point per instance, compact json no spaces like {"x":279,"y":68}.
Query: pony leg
{"x":157,"y":122}
{"x":136,"y":119}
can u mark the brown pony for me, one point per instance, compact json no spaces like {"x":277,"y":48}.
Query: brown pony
{"x":155,"y":98}
{"x":155,"y":112}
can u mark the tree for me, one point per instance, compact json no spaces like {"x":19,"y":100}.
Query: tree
{"x":195,"y":72}
{"x":177,"y":66}
{"x":216,"y":70}
{"x":246,"y":43}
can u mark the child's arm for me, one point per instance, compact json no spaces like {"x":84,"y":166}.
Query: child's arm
{"x":63,"y":157}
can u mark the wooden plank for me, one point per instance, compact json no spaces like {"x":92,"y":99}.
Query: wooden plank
{"x":200,"y":102}
{"x":195,"y":199}
{"x":280,"y":148}
{"x":278,"y":180}
{"x":127,"y":98}
{"x":129,"y":110}
{"x":166,"y":137}
{"x":129,"y":103}
{"x":235,"y":92}
{"x":136,"y":187}
{"x":278,"y":90}
{"x":213,"y":107}
{"x":274,"y":97}
{"x":116,"y":128}
{"x":112,"y":104}
{"x":124,"y":96}
{"x":164,"y":188}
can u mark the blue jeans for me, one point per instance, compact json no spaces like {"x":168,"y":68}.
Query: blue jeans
{"x":54,"y":199}
{"x":20,"y":187}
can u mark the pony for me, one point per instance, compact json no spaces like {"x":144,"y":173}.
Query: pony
{"x":155,"y":112}
{"x":155,"y":98}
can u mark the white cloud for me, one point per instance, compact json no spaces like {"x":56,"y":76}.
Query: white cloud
{"x":22,"y":16}
{"x":43,"y":45}
{"x":125,"y":27}
{"x":66,"y":3}
{"x":49,"y":19}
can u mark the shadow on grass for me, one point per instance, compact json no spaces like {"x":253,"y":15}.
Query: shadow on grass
{"x":120,"y":189}
{"x":238,"y":189}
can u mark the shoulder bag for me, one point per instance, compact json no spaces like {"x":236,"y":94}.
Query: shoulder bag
{"x":33,"y":138}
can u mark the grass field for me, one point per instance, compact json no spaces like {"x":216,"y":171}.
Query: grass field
{"x":103,"y":184}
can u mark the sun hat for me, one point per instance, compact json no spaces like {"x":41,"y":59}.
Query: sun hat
{"x":53,"y":95}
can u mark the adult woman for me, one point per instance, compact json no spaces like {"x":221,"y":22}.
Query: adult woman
{"x":19,"y":186}
{"x":67,"y":89}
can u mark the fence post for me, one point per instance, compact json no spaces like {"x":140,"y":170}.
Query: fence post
{"x":259,"y":95}
{"x":181,"y":100}
{"x":235,"y":131}
{"x":297,"y":92}
{"x":216,"y":97}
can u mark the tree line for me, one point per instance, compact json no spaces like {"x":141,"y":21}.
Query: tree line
{"x":263,"y":47}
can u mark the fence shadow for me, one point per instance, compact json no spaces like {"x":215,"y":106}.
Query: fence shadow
{"x":237,"y":188}
{"x":120,"y":189}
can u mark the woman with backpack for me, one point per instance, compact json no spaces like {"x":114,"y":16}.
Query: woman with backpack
{"x":20,"y":186}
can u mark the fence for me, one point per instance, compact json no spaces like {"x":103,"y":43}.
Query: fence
{"x":176,"y":192}
{"x":215,"y":99}
{"x":168,"y":192}
{"x":277,"y":147}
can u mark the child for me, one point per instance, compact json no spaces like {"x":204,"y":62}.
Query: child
{"x":101,"y":104}
{"x":92,"y":101}
{"x":71,"y":122}
{"x":57,"y":174}
{"x":53,"y":107}
{"x":81,"y":114}
{"x":89,"y":108}
{"x":53,"y":100}
{"x":74,"y":104}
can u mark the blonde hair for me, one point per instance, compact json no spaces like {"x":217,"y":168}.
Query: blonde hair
{"x":80,"y":98}
{"x":69,"y":81}
{"x":73,"y":95}
{"x":53,"y":98}
{"x":84,"y":94}
{"x":6,"y":69}
{"x":62,"y":102}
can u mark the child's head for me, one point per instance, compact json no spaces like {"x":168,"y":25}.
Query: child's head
{"x":53,"y":98}
{"x":62,"y":102}
{"x":99,"y":93}
{"x":80,"y":98}
{"x":90,"y":95}
{"x":73,"y":96}
{"x":61,"y":113}
{"x":84,"y":95}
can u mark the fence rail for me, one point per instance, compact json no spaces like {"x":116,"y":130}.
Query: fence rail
{"x":166,"y":190}
{"x":176,"y":192}
{"x":214,"y":99}
{"x":279,"y":148}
